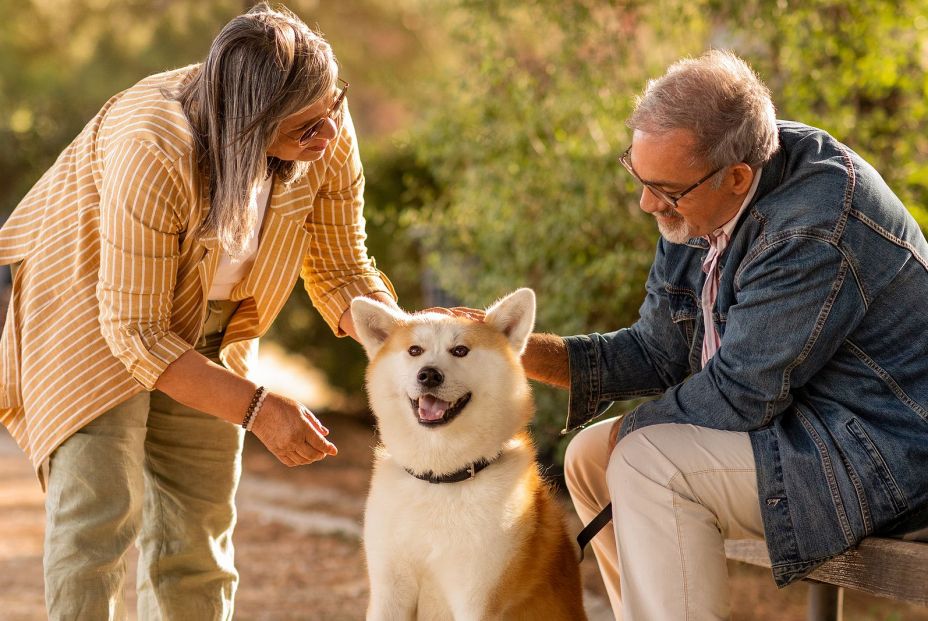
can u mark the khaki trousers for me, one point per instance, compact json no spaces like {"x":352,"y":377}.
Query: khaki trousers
{"x":156,"y":472}
{"x":677,"y":492}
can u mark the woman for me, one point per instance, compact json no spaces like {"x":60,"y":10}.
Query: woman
{"x":150,"y":258}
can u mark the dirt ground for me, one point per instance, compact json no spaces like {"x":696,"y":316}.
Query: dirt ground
{"x":298,"y":544}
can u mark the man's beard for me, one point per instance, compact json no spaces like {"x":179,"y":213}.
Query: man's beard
{"x":673,"y":227}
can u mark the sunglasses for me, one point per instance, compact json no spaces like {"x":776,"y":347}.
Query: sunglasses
{"x":332,"y":113}
{"x":667,"y":197}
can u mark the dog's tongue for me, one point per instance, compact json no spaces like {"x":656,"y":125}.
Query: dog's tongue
{"x":432,"y":408}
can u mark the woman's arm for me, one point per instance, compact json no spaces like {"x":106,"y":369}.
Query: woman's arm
{"x":336,"y":268}
{"x":286,"y":427}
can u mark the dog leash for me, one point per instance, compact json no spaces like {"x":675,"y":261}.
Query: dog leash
{"x":596,"y":524}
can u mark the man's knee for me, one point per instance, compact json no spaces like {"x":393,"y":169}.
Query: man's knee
{"x":642,"y":459}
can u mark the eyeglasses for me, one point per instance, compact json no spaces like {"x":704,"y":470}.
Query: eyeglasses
{"x":667,"y":197}
{"x":310,"y":132}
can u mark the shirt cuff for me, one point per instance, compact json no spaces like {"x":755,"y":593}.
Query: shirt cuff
{"x":584,"y":404}
{"x":147,"y":364}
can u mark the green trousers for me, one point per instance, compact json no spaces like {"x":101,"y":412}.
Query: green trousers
{"x":156,"y":472}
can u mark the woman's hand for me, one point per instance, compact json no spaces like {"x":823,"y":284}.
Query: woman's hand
{"x":291,"y":432}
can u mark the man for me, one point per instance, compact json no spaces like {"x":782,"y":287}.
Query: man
{"x":152,"y":255}
{"x":783,"y":336}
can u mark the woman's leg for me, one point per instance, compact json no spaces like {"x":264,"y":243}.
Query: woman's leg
{"x":187,"y":565}
{"x":192,"y":469}
{"x":93,"y":511}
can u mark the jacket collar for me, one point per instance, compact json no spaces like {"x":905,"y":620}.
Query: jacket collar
{"x":296,"y":200}
{"x":772,"y":176}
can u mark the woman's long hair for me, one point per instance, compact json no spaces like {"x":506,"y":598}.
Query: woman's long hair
{"x":262,"y":67}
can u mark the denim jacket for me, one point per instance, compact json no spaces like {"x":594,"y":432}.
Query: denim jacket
{"x":824,"y":352}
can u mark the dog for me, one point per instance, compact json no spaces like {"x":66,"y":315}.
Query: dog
{"x":459,"y":523}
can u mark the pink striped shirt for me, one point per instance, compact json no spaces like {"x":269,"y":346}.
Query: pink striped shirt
{"x":718,"y":242}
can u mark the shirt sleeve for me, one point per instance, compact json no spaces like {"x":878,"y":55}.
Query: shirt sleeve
{"x":336,"y":268}
{"x":796,"y":303}
{"x":640,"y":361}
{"x":139,"y":228}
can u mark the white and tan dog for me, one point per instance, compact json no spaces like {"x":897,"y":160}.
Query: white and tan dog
{"x":459,"y":523}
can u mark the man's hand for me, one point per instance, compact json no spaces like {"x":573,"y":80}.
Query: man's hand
{"x":474,"y":314}
{"x":291,"y":432}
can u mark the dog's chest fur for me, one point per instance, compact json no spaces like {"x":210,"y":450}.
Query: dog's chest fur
{"x":452,"y":533}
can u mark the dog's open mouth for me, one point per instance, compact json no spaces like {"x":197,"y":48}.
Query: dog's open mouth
{"x":430,"y":410}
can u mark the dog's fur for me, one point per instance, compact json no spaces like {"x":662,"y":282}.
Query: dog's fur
{"x":495,"y":546}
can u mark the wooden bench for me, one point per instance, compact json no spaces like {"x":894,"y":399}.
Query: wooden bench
{"x":891,"y":568}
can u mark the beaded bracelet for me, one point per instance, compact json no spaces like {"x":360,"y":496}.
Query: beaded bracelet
{"x":253,"y":408}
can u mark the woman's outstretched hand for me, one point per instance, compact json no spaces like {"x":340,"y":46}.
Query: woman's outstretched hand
{"x":291,"y":431}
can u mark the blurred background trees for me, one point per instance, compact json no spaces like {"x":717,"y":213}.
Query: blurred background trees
{"x":490,"y":129}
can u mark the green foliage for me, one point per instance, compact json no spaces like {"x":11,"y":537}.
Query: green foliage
{"x":60,"y":60}
{"x":522,"y":137}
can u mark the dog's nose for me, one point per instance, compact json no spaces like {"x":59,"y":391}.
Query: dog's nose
{"x":430,"y":377}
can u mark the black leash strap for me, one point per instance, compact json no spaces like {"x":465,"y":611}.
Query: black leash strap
{"x":589,"y":531}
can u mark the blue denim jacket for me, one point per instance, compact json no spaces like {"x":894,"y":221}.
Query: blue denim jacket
{"x":824,"y":353}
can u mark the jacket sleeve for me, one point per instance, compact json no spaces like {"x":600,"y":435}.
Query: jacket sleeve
{"x":139,"y":227}
{"x":640,"y":361}
{"x":336,"y":268}
{"x":796,"y":303}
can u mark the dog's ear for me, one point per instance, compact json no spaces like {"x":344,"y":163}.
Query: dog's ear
{"x":514,"y":316}
{"x":374,"y":322}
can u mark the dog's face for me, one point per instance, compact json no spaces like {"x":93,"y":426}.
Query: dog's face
{"x":447,"y":385}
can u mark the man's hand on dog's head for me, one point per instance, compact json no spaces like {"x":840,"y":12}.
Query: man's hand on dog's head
{"x":474,"y":314}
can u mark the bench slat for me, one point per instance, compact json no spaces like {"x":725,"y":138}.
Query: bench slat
{"x":884,"y":567}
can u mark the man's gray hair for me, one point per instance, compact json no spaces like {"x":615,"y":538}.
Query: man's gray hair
{"x":721,"y":100}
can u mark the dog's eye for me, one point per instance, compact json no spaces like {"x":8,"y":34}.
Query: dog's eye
{"x":460,"y":351}
{"x":415,"y":350}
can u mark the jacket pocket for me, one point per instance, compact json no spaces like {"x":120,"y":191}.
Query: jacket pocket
{"x":880,"y":468}
{"x":684,"y":310}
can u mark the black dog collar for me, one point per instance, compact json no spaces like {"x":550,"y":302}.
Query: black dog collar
{"x":464,"y":474}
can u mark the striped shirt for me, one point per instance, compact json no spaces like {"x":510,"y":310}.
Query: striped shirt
{"x":110,"y":290}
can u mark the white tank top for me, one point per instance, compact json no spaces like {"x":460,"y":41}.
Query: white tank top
{"x":231,"y":271}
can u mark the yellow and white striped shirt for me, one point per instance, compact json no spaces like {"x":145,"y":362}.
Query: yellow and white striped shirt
{"x":111,"y":290}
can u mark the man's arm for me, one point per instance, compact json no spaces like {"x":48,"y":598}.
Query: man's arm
{"x":545,"y":360}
